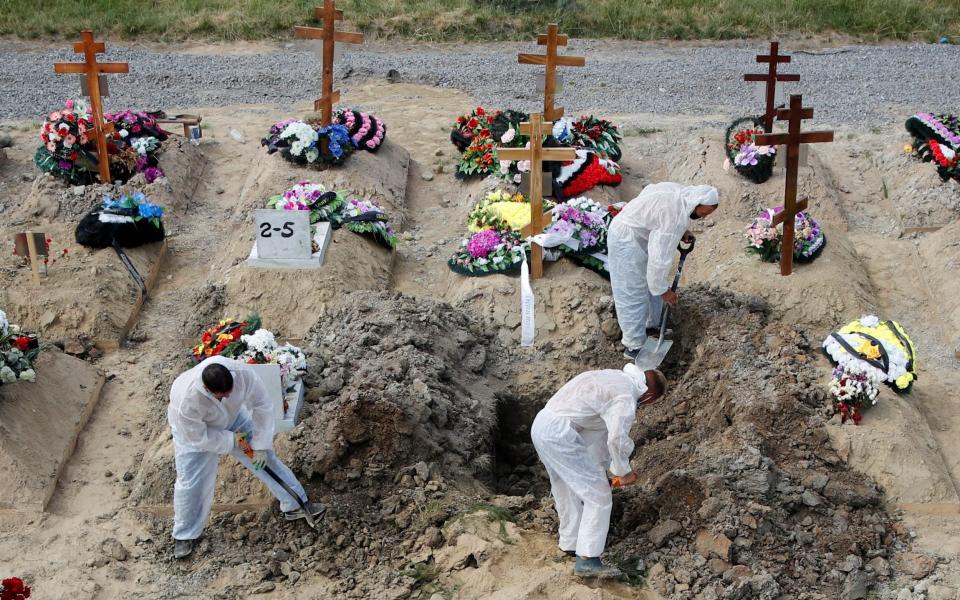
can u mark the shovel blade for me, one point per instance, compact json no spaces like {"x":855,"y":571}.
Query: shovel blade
{"x":650,"y":356}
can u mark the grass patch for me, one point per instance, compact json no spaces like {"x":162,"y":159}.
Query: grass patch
{"x":422,"y":573}
{"x":494,"y":514}
{"x":455,"y":20}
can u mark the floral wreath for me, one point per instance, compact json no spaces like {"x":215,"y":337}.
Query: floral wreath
{"x":937,"y":140}
{"x":489,"y":252}
{"x":14,"y":589}
{"x":881,"y":348}
{"x":765,"y":240}
{"x":753,"y":161}
{"x":584,"y":173}
{"x":307,"y":143}
{"x":366,"y":131}
{"x":592,"y":133}
{"x":355,"y":214}
{"x":477,"y":137}
{"x":853,"y":388}
{"x":127,"y":221}
{"x":502,"y":210}
{"x":18,"y":351}
{"x":247,"y":342}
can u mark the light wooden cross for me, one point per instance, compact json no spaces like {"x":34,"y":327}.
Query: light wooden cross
{"x":329,"y":14}
{"x":551,"y":40}
{"x":792,"y":140}
{"x":536,"y":129}
{"x":771,"y":78}
{"x":92,"y":69}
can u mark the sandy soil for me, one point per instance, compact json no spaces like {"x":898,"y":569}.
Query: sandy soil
{"x":862,"y":189}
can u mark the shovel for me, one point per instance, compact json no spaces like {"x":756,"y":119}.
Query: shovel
{"x":248,"y":451}
{"x":653,"y":352}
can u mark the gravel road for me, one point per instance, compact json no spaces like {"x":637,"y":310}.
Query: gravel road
{"x":854,"y":85}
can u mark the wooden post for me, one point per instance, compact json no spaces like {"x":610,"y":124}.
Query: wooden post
{"x":551,"y":40}
{"x":32,"y":251}
{"x":92,"y":69}
{"x":536,"y":129}
{"x":771,"y":78}
{"x":792,"y":140}
{"x":329,"y":14}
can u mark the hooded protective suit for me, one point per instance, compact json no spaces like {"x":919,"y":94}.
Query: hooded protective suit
{"x":641,"y":243}
{"x":582,"y":432}
{"x":203,"y":429}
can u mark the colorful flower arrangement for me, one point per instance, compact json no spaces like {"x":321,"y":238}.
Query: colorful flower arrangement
{"x":128,"y":221}
{"x":69,"y":149}
{"x":134,"y":207}
{"x":587,"y":171}
{"x":592,"y":133}
{"x":477,"y":137}
{"x":753,"y":161}
{"x":502,"y":210}
{"x":307,"y":143}
{"x":937,"y":140}
{"x":366,"y":131}
{"x":355,"y":214}
{"x":765,"y":240}
{"x":366,"y":216}
{"x":246,"y":341}
{"x":881,"y":348}
{"x":582,"y":222}
{"x":489,"y":252}
{"x":14,"y":589}
{"x":853,"y":388}
{"x":18,"y":350}
{"x":323,"y":205}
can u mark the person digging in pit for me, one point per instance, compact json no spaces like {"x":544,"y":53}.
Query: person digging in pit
{"x":581,"y":433}
{"x":641,"y":243}
{"x":222,"y":407}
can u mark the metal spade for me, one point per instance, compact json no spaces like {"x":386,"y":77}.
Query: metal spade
{"x":653,"y":350}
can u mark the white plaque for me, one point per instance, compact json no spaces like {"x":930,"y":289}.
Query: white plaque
{"x":283,"y":234}
{"x":557,"y":82}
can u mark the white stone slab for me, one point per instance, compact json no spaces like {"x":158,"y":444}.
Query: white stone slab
{"x":284,"y":420}
{"x":291,"y":417}
{"x":282,"y":233}
{"x":322,"y":237}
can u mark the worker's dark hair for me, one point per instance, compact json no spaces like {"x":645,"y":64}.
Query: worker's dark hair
{"x":217,"y":378}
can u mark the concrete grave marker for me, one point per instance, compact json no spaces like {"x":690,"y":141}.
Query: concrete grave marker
{"x":282,"y":239}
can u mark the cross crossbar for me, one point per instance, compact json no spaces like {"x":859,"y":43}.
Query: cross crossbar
{"x":92,"y":69}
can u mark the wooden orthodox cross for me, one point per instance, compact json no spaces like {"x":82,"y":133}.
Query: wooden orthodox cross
{"x":329,"y":14}
{"x":771,"y":78}
{"x":536,"y":129}
{"x":551,"y":40}
{"x":92,"y":69}
{"x":792,"y":141}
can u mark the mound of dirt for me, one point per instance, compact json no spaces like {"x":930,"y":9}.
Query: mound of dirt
{"x":741,"y":495}
{"x":402,"y":381}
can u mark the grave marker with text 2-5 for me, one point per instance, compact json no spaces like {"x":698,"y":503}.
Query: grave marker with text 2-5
{"x":283,"y":234}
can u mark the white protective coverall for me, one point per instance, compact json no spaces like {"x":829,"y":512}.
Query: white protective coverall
{"x":582,"y":432}
{"x":641,"y":243}
{"x":203,"y":429}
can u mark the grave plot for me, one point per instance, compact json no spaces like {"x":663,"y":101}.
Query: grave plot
{"x":940,"y":252}
{"x":290,"y":299}
{"x":39,"y":426}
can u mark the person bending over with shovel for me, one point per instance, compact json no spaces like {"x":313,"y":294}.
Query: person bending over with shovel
{"x":581,"y":433}
{"x":641,"y":242}
{"x":221,"y":407}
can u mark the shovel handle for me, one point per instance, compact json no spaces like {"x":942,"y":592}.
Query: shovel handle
{"x":685,"y":251}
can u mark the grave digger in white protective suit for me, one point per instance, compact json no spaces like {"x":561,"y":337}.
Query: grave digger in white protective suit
{"x":641,"y":243}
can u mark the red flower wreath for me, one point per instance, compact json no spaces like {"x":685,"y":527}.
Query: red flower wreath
{"x":14,"y":589}
{"x":937,"y":149}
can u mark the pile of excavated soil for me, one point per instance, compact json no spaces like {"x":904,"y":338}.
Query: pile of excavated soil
{"x":740,"y":494}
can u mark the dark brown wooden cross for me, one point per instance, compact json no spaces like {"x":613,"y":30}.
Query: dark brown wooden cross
{"x":771,"y":78}
{"x":329,"y":14}
{"x":792,"y":140}
{"x":551,"y":40}
{"x":536,"y":129}
{"x":92,"y":69}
